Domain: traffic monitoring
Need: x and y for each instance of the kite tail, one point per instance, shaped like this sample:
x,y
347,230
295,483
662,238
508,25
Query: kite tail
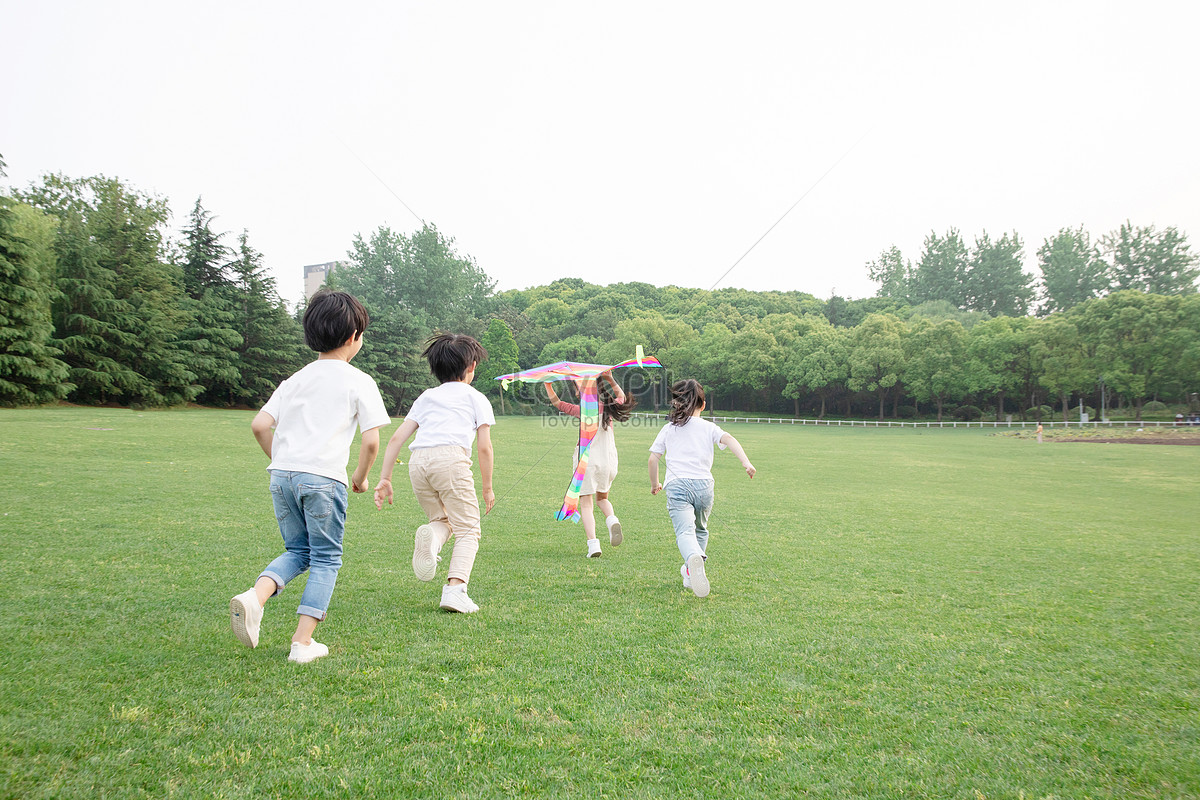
x,y
589,424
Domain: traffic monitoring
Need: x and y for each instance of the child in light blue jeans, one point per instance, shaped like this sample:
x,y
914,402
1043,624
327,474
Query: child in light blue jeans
x,y
687,442
306,429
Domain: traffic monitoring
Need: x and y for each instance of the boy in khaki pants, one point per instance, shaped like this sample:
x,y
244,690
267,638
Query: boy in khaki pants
x,y
445,420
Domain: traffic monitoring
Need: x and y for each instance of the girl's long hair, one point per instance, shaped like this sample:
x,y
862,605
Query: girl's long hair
x,y
686,396
612,410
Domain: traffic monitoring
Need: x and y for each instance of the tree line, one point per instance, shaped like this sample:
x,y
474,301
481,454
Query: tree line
x,y
103,303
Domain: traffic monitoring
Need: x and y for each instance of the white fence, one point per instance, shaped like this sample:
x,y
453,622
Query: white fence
x,y
871,423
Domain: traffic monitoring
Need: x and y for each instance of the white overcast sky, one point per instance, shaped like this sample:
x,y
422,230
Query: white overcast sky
x,y
620,141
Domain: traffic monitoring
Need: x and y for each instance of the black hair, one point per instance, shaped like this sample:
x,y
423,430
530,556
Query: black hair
x,y
331,318
613,411
451,354
686,396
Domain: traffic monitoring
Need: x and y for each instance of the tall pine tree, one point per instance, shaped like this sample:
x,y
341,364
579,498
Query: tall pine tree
x,y
30,372
210,335
272,342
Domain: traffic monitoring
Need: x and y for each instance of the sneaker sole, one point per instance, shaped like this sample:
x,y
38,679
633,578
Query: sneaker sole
x,y
424,560
307,660
596,554
457,610
699,579
237,621
614,535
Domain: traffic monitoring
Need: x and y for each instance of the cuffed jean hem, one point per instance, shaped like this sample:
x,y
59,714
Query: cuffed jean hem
x,y
308,611
311,511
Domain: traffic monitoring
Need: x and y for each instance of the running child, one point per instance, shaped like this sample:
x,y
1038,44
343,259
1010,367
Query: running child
x,y
687,441
314,414
602,460
445,420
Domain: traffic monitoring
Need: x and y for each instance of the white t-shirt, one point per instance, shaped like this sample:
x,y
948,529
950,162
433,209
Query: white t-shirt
x,y
688,448
449,415
316,412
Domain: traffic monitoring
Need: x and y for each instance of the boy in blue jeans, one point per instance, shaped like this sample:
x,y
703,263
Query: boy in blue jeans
x,y
314,414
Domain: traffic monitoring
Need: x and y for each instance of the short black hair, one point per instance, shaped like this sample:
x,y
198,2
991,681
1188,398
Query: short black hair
x,y
331,318
450,354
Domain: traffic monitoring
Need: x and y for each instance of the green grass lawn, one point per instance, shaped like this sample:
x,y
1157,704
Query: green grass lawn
x,y
894,613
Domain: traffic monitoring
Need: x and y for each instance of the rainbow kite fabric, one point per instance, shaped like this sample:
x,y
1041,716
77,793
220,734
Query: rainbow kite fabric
x,y
586,378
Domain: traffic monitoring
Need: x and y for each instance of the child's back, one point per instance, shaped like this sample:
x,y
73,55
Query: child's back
x,y
306,428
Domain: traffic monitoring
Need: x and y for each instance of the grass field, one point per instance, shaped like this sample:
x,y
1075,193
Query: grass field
x,y
904,613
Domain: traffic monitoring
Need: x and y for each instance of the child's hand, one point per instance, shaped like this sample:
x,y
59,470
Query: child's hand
x,y
750,470
656,488
383,491
489,500
359,486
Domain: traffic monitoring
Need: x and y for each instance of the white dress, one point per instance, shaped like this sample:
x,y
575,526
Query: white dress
x,y
602,455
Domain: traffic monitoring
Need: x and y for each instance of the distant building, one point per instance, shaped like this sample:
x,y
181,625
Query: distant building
x,y
314,277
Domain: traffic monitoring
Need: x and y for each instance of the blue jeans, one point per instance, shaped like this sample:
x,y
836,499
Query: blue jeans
x,y
689,502
311,510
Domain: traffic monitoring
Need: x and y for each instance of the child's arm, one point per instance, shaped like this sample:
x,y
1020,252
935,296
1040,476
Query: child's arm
x,y
261,427
367,450
399,438
618,392
655,486
559,403
736,447
483,443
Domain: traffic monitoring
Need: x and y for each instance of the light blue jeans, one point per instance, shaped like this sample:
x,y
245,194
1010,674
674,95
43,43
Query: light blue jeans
x,y
311,510
689,502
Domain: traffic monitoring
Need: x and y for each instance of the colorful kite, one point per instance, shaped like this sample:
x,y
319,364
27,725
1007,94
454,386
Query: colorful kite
x,y
585,377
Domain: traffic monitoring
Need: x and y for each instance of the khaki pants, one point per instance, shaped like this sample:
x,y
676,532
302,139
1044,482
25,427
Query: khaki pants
x,y
444,486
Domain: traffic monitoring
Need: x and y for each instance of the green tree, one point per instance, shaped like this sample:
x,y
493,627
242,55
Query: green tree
x,y
120,310
941,272
893,274
420,274
995,283
501,360
272,341
573,348
1063,357
817,362
205,258
876,357
1152,261
934,353
998,356
1128,336
210,337
30,371
1072,271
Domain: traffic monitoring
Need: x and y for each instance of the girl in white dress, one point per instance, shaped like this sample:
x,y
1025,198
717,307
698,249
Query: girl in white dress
x,y
615,406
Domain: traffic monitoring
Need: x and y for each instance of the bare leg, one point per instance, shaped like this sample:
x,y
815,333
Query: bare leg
x,y
304,629
265,588
602,501
586,510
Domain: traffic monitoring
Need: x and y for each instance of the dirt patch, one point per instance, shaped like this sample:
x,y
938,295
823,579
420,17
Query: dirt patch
x,y
1194,440
1188,435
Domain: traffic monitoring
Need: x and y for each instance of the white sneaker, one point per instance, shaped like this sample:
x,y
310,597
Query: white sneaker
x,y
594,548
614,531
695,569
454,598
425,558
245,617
304,653
687,582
